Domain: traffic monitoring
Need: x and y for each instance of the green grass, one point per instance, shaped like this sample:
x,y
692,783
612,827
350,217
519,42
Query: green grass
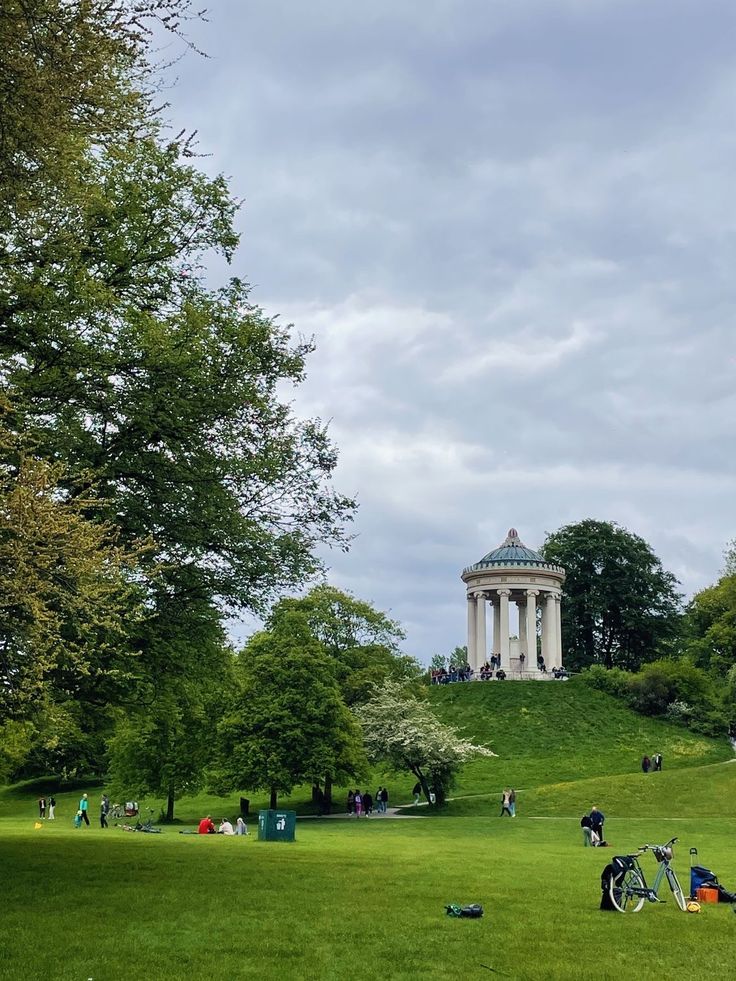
x,y
106,905
368,898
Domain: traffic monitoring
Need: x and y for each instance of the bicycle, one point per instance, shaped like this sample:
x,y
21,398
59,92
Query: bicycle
x,y
629,889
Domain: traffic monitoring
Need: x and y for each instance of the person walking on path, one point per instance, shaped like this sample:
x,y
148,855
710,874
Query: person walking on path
x,y
417,793
42,808
512,802
83,806
351,802
384,800
358,800
103,812
52,808
596,822
506,803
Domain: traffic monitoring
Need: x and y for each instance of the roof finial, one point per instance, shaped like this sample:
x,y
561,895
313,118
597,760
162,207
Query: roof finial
x,y
512,540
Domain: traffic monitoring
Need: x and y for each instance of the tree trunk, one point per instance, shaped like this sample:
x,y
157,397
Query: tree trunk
x,y
272,803
170,804
425,786
327,806
439,793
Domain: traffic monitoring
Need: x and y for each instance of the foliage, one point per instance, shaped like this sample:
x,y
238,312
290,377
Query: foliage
x,y
404,732
613,681
67,591
163,743
287,723
620,608
711,626
361,641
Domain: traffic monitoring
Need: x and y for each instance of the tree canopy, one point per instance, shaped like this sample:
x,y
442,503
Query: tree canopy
x,y
287,722
404,732
620,606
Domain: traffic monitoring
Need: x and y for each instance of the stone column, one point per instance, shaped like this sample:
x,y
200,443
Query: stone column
x,y
549,631
480,628
531,627
496,626
472,645
558,624
504,628
523,645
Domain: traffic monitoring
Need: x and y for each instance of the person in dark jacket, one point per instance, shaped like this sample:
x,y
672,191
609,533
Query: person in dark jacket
x,y
646,764
596,822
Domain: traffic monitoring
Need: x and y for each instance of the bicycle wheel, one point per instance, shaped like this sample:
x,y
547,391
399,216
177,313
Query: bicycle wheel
x,y
676,889
623,896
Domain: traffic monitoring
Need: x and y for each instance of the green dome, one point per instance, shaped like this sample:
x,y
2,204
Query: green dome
x,y
513,552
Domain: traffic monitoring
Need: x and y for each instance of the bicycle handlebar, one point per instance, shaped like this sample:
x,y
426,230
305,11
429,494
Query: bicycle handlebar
x,y
646,848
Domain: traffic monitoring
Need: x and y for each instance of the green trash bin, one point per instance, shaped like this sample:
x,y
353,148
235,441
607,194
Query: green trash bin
x,y
276,825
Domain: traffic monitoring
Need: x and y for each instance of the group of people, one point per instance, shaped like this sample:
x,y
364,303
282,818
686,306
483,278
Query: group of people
x,y
592,825
362,804
489,670
43,805
207,827
508,802
653,763
461,672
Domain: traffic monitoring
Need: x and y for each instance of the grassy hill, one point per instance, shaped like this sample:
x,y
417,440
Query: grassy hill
x,y
562,745
548,733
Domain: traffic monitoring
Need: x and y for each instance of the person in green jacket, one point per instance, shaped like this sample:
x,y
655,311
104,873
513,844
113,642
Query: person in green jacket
x,y
83,805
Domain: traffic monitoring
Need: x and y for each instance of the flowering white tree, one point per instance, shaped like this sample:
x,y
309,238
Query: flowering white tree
x,y
404,732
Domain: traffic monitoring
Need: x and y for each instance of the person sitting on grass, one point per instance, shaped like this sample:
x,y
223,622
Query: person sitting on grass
x,y
501,675
207,826
225,828
241,827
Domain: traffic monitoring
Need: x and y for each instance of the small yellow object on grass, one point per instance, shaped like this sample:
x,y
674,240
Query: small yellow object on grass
x,y
37,825
693,907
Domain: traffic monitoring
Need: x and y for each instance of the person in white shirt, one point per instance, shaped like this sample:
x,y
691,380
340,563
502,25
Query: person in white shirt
x,y
225,828
240,827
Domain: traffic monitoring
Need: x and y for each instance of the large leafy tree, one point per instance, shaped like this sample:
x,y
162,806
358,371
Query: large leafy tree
x,y
163,398
361,642
403,732
620,606
287,723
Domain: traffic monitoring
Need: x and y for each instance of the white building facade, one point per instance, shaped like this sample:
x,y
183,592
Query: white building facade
x,y
508,592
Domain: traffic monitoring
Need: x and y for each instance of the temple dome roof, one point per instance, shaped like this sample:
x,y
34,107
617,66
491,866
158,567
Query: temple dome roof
x,y
513,551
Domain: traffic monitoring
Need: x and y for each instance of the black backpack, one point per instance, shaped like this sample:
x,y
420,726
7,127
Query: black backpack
x,y
472,912
613,871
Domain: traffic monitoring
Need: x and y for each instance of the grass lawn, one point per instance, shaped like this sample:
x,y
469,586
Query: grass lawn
x,y
353,898
105,905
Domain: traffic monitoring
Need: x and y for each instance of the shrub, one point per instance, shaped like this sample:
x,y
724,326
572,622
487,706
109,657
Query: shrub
x,y
613,681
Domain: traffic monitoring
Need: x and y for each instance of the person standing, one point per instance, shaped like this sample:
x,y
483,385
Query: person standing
x,y
512,802
417,793
42,808
646,764
367,804
52,808
358,801
522,659
351,802
657,761
83,807
506,803
103,812
596,822
384,800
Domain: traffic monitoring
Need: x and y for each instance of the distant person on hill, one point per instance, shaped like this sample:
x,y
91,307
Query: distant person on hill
x,y
207,826
657,761
646,764
52,808
522,659
83,805
42,807
103,812
596,822
417,793
512,802
541,666
501,675
506,803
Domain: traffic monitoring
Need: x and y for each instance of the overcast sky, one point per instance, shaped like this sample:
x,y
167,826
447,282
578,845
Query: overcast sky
x,y
510,227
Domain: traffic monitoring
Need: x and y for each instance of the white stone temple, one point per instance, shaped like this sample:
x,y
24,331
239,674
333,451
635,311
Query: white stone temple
x,y
507,587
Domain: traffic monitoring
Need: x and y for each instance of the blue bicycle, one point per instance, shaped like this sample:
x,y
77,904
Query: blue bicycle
x,y
628,886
